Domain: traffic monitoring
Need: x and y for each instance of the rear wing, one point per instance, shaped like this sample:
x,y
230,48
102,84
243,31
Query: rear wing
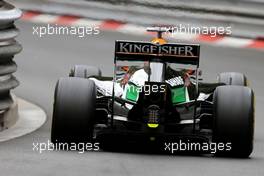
x,y
147,51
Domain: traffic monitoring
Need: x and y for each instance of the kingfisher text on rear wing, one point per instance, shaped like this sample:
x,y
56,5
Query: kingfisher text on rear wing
x,y
171,52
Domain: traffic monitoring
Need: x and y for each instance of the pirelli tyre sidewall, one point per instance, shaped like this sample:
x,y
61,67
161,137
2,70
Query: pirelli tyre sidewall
x,y
234,120
232,78
74,108
85,71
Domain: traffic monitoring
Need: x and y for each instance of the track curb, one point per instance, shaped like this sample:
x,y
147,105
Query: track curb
x,y
119,26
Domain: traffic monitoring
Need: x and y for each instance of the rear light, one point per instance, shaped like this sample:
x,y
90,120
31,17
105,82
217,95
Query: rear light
x,y
153,118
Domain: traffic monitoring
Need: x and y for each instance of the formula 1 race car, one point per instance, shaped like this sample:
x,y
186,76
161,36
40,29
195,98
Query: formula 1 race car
x,y
155,98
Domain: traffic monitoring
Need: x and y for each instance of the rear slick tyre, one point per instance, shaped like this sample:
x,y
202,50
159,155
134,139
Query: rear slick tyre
x,y
73,113
234,120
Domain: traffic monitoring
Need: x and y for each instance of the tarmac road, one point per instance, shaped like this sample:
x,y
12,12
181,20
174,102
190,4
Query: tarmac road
x,y
44,60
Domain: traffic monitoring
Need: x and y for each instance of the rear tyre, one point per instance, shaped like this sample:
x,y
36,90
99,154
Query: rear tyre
x,y
232,78
73,113
234,120
85,71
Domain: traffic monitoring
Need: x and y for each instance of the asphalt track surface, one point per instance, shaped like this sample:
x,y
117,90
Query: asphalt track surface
x,y
44,60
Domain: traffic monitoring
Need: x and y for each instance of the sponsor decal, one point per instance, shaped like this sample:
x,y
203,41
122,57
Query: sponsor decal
x,y
181,50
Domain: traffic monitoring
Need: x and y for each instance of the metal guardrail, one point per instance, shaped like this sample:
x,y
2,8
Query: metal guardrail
x,y
249,8
8,48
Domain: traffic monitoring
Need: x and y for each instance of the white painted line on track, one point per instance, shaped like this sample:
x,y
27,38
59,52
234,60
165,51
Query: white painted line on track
x,y
45,18
235,42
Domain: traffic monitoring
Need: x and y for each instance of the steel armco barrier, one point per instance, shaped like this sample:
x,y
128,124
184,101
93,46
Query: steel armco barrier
x,y
8,48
